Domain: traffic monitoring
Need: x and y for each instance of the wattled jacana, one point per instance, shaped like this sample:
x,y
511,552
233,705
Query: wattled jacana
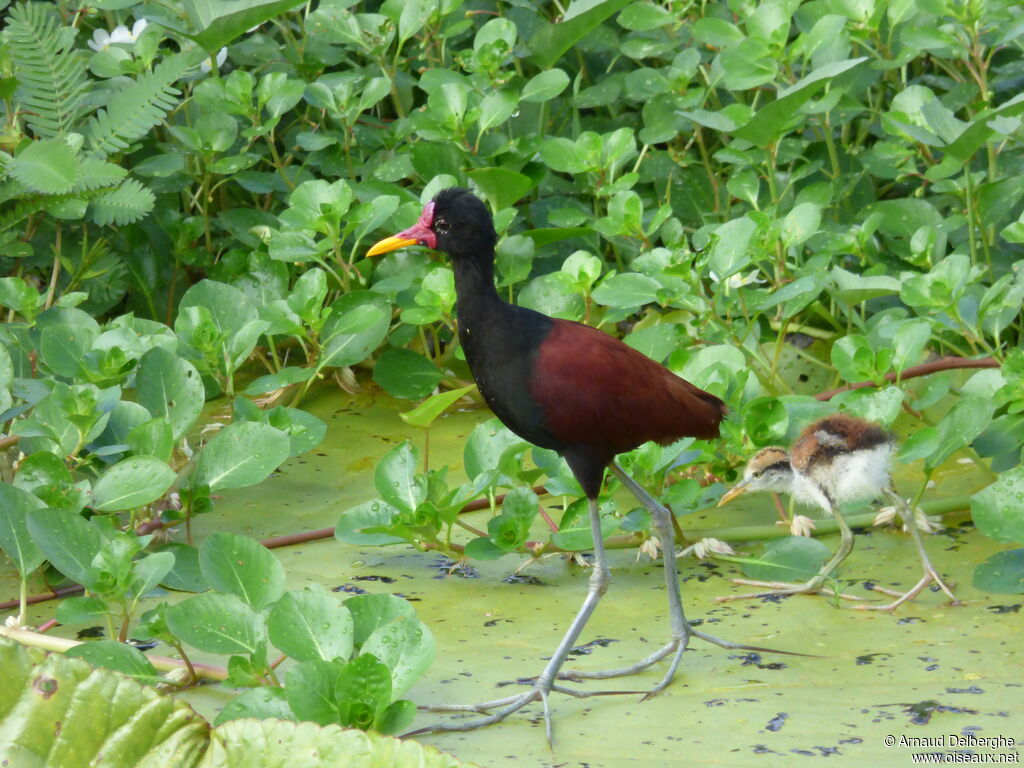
x,y
568,387
837,459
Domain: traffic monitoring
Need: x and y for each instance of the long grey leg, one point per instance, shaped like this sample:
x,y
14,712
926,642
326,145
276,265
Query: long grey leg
x,y
600,578
681,629
816,582
930,574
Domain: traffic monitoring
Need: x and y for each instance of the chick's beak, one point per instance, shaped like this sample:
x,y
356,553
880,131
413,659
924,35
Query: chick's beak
x,y
737,490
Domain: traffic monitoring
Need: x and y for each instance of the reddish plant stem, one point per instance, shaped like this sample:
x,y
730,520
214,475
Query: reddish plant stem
x,y
74,589
272,543
942,364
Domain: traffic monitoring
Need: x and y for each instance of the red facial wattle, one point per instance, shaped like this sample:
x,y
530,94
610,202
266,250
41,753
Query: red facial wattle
x,y
420,233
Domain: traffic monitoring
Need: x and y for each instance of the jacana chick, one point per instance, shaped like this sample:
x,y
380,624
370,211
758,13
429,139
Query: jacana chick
x,y
568,387
836,460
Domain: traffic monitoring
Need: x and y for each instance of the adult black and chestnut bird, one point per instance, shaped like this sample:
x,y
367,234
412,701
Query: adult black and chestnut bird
x,y
835,460
571,388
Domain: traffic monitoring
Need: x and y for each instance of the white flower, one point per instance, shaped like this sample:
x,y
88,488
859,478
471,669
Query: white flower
x,y
706,547
222,56
101,39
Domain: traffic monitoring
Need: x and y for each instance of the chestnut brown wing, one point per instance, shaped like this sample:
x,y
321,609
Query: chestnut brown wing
x,y
596,390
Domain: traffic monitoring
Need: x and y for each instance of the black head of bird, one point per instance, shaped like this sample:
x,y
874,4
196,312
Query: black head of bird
x,y
455,222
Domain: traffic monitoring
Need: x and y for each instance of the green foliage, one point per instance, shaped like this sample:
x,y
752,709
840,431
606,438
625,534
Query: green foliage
x,y
143,728
773,199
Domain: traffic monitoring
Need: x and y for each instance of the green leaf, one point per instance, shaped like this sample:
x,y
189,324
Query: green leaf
x,y
49,701
545,86
363,690
264,703
171,388
403,373
552,40
16,505
311,691
854,358
51,73
370,612
968,419
644,16
370,514
240,455
127,203
185,575
909,342
791,558
1002,573
67,541
397,479
769,124
998,510
284,378
215,23
216,623
120,657
501,186
311,624
576,534
628,290
485,446
152,438
81,610
57,724
731,251
406,646
132,483
397,717
853,289
149,571
242,566
357,325
16,294
132,110
48,166
800,223
229,308
424,414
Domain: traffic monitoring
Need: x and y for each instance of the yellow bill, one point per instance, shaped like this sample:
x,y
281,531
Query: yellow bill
x,y
390,244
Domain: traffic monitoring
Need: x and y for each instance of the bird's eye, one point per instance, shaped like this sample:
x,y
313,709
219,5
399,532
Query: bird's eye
x,y
441,226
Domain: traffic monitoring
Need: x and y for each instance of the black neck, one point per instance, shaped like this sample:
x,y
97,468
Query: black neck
x,y
474,288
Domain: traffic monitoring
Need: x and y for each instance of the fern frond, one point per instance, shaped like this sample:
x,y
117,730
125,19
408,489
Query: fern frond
x,y
133,111
51,74
123,205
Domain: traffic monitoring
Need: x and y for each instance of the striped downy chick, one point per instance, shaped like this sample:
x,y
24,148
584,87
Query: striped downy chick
x,y
835,460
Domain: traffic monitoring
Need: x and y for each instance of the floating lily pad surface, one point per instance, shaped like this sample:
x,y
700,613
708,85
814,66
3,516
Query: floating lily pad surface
x,y
867,679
